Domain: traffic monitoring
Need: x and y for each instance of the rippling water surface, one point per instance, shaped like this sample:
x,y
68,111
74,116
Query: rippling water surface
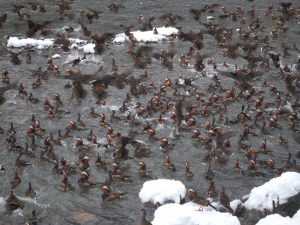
x,y
55,206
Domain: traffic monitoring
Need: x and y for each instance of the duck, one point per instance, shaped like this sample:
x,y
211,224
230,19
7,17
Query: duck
x,y
188,172
212,191
295,167
64,136
53,141
79,121
67,168
102,121
195,198
33,219
16,179
32,99
143,220
237,167
108,196
273,169
47,104
100,163
251,170
84,163
12,201
281,140
30,192
143,172
288,162
65,184
209,174
20,162
263,147
93,114
164,144
168,164
56,99
81,146
114,118
85,181
224,200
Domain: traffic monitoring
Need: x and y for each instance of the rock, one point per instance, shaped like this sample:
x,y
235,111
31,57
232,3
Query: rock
x,y
83,217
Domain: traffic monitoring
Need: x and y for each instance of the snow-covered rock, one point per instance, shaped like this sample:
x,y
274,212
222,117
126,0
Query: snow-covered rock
x,y
148,36
276,219
15,42
175,214
162,190
278,189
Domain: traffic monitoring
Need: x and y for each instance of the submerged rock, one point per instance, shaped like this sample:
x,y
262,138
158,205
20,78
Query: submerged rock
x,y
83,217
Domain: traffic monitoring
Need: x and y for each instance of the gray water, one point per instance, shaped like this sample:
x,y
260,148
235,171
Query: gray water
x,y
55,206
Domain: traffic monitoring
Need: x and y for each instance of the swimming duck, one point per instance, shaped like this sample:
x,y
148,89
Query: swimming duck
x,y
169,164
79,121
251,170
85,181
32,99
47,104
102,121
209,174
84,163
67,168
33,219
64,136
288,162
73,126
13,202
212,191
143,172
65,183
144,221
93,114
188,172
20,162
108,196
16,179
164,144
53,141
237,167
273,169
100,163
263,147
30,192
114,118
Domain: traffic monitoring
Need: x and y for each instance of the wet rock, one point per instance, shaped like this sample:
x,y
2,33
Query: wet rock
x,y
83,217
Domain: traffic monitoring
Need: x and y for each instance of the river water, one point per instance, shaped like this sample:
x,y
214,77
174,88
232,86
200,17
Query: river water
x,y
55,206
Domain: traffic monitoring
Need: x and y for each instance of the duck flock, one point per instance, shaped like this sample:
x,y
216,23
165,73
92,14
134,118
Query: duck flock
x,y
98,99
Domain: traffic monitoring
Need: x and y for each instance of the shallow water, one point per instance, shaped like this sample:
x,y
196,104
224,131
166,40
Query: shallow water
x,y
55,206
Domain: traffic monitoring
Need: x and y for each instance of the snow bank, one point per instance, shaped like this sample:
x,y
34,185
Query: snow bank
x,y
161,190
175,214
276,219
148,36
283,187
